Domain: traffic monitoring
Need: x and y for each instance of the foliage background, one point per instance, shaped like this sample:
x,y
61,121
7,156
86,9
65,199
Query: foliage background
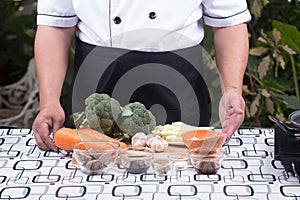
x,y
271,82
17,30
272,78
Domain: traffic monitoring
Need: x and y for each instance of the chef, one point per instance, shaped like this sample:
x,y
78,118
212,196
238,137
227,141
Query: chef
x,y
149,40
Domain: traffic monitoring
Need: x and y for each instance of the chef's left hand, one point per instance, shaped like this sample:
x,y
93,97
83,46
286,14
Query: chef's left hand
x,y
231,112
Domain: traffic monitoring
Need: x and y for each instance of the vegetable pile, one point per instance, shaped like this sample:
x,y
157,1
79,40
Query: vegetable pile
x,y
105,114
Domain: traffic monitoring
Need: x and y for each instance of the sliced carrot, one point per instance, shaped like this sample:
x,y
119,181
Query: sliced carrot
x,y
65,138
205,138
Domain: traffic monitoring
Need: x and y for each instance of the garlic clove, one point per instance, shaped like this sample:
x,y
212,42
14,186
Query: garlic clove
x,y
139,140
157,143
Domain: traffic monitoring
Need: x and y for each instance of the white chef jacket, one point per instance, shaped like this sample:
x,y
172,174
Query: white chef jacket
x,y
156,25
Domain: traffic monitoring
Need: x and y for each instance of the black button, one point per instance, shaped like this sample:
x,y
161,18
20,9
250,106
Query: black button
x,y
152,15
117,20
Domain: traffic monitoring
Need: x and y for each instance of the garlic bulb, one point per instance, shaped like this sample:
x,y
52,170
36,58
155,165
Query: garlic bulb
x,y
157,143
139,140
149,136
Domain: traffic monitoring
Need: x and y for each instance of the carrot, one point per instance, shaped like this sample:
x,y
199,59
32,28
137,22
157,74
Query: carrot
x,y
205,138
95,145
65,138
83,132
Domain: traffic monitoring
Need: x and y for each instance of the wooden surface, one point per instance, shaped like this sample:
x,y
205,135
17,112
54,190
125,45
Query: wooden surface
x,y
172,149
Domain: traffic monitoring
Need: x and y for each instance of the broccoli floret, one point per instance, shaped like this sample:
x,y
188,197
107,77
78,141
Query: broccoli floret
x,y
101,113
136,118
104,114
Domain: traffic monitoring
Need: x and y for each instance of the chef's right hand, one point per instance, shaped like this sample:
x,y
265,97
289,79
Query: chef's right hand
x,y
47,122
231,111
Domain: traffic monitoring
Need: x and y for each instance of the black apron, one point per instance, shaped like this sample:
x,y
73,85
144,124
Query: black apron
x,y
168,83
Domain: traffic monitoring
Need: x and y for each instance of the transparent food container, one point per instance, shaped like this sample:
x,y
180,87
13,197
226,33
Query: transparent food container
x,y
94,157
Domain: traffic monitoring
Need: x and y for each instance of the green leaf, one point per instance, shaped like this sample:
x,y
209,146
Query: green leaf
x,y
291,101
256,9
281,61
272,85
207,43
265,2
263,67
30,33
254,105
276,35
287,49
270,106
258,51
262,40
252,63
265,93
289,34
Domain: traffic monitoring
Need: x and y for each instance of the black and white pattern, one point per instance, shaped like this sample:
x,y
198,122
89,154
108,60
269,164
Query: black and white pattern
x,y
248,171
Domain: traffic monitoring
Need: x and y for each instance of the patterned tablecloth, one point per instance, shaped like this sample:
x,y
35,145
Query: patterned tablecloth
x,y
248,171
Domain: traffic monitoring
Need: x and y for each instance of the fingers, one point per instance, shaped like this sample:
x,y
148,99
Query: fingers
x,y
45,133
39,140
42,132
231,111
231,124
47,122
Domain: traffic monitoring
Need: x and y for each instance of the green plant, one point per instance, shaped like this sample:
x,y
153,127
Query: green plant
x,y
17,30
271,85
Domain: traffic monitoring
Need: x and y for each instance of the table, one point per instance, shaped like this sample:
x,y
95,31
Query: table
x,y
248,171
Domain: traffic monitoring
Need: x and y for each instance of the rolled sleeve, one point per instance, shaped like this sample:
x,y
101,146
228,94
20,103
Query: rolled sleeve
x,y
220,13
59,13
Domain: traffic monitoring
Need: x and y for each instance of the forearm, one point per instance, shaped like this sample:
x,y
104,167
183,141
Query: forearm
x,y
52,47
231,46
